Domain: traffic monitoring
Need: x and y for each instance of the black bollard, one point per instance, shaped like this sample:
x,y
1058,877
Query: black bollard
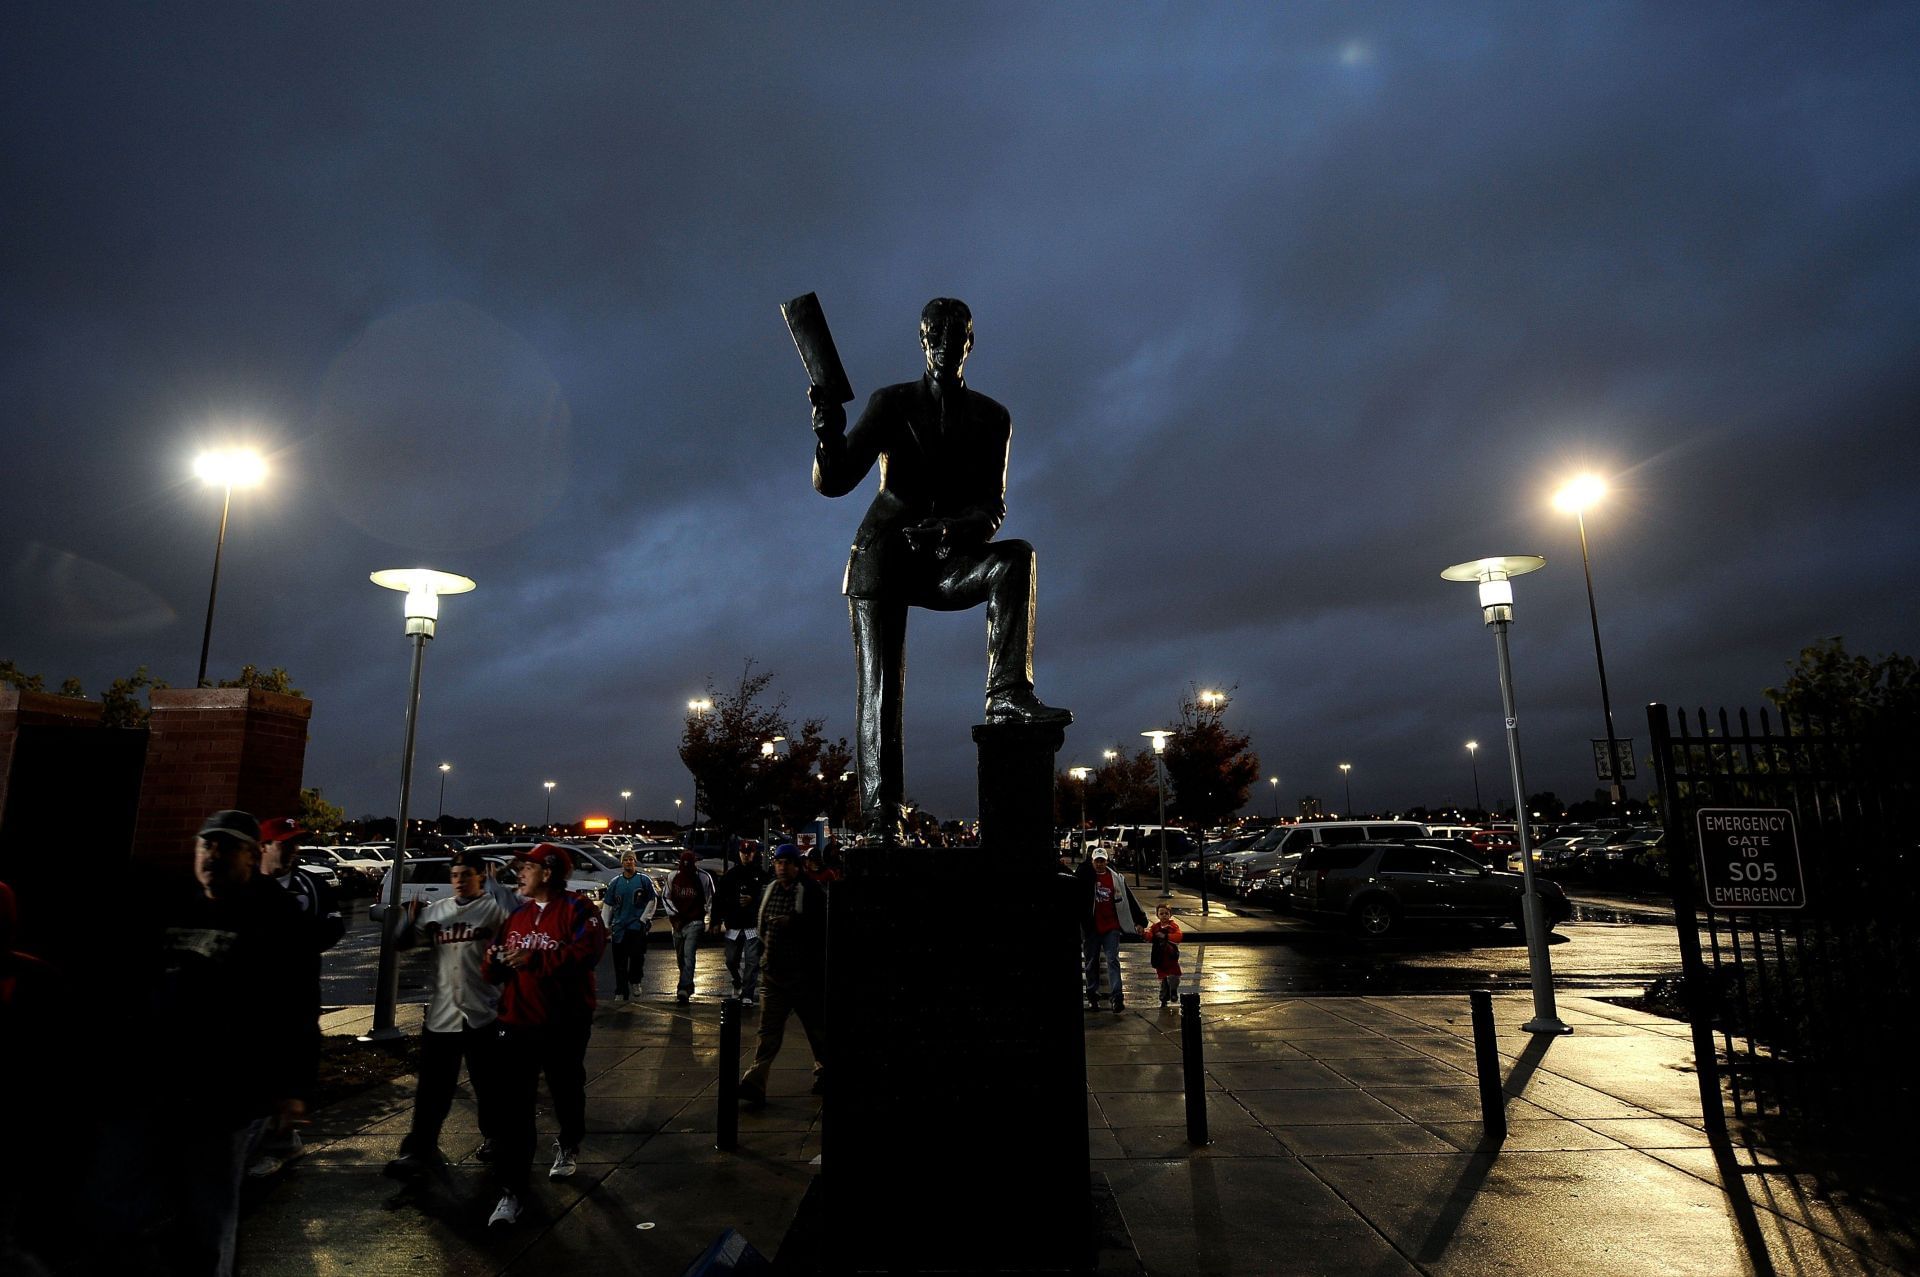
x,y
727,1130
1486,1058
1195,1068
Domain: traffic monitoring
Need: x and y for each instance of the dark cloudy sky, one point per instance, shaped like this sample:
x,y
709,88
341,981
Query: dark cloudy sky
x,y
1293,306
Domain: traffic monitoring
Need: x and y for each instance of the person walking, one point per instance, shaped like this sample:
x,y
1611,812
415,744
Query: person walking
x,y
689,899
274,1146
1163,937
736,914
632,901
545,964
461,1011
793,971
1109,907
222,1045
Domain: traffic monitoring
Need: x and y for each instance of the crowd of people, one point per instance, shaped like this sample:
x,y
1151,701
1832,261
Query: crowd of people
x,y
224,968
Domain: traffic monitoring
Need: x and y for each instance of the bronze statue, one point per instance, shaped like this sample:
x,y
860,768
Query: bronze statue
x,y
927,538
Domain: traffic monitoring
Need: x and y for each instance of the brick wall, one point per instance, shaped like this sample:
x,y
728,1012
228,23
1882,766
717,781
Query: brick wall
x,y
18,708
209,748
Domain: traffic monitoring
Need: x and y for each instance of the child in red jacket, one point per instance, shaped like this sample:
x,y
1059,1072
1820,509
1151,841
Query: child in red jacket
x,y
1163,938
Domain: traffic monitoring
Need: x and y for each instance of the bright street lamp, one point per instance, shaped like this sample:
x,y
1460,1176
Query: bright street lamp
x,y
1574,497
1275,782
441,814
1346,774
624,795
1495,576
1080,774
1473,757
423,588
698,705
1210,699
1159,739
227,469
547,821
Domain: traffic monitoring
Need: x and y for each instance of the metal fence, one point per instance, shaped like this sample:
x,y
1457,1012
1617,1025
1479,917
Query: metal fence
x,y
1798,943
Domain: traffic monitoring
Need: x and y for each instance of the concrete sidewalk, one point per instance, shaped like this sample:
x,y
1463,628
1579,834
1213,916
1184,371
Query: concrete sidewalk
x,y
1345,1139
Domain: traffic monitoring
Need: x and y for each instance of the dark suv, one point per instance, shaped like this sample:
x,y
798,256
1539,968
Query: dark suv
x,y
1379,886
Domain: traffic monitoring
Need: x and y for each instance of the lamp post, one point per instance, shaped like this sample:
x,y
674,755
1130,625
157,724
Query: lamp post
x,y
423,588
625,794
441,814
698,705
1575,496
1473,758
1275,782
1080,774
228,469
546,822
1346,774
1159,738
678,803
1495,576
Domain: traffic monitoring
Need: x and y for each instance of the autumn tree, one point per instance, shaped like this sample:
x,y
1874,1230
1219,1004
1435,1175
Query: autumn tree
x,y
1831,689
739,781
1209,768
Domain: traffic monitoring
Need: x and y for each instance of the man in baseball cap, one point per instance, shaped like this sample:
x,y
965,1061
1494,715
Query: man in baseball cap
x,y
223,1048
321,926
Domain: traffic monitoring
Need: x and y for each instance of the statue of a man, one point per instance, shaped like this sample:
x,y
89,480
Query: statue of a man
x,y
926,542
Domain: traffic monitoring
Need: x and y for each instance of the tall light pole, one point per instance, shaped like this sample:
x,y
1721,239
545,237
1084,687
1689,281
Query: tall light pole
x,y
1575,496
1473,757
1346,774
441,814
1159,738
1080,774
698,705
546,822
1495,576
227,469
678,803
423,588
1275,782
625,794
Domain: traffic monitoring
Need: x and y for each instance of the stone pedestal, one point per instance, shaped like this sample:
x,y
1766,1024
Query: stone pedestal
x,y
955,1127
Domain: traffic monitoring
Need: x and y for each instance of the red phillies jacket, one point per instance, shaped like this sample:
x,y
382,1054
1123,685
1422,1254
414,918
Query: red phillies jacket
x,y
566,939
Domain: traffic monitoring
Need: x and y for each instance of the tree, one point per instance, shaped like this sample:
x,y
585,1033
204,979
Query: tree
x,y
1209,769
274,680
12,675
319,815
1120,791
739,783
1831,689
122,697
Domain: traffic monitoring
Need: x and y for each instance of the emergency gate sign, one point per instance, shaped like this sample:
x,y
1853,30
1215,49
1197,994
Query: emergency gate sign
x,y
1750,858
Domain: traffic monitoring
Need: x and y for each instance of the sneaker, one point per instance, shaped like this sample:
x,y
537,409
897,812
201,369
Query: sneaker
x,y
685,998
485,1152
563,1165
265,1166
507,1212
752,1095
1119,1005
748,1002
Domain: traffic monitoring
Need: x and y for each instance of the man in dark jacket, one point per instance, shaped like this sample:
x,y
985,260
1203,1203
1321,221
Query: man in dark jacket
x,y
736,915
274,1146
793,971
223,1046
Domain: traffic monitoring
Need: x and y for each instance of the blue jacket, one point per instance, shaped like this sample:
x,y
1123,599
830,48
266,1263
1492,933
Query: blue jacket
x,y
631,903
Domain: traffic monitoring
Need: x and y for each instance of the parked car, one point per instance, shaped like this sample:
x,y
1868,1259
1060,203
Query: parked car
x,y
1378,887
1287,842
428,877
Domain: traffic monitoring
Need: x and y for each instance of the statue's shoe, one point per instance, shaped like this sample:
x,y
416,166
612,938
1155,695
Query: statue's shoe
x,y
1025,707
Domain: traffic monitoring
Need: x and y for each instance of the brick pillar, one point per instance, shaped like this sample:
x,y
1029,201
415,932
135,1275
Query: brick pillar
x,y
30,709
215,747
